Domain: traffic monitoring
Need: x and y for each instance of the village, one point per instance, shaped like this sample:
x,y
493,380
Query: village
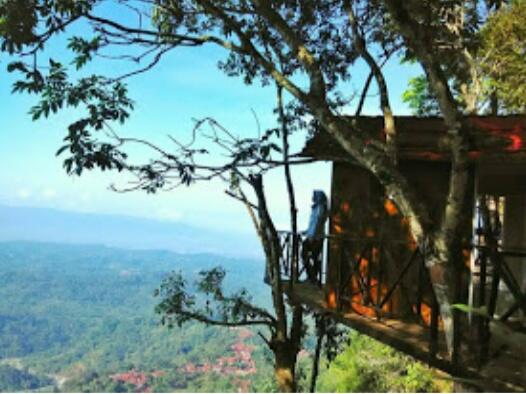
x,y
240,364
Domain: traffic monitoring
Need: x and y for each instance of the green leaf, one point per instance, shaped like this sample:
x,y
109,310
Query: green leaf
x,y
479,311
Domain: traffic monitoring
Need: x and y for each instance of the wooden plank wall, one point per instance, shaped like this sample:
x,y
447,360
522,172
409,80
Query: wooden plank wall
x,y
360,211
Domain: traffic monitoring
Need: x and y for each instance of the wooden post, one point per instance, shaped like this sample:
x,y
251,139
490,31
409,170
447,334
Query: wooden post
x,y
339,275
420,288
323,257
433,327
368,300
379,283
295,239
482,322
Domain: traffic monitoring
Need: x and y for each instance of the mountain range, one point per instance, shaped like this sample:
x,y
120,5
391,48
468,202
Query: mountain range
x,y
51,225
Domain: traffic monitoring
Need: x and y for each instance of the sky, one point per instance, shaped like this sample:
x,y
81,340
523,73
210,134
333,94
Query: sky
x,y
186,85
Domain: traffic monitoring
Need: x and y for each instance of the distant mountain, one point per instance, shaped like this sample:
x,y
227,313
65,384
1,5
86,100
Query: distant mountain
x,y
50,225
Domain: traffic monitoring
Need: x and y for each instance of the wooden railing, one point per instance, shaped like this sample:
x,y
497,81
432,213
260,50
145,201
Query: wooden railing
x,y
493,264
357,285
306,261
366,289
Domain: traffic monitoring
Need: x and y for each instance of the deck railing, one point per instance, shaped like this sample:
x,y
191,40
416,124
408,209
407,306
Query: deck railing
x,y
311,265
360,282
304,260
493,263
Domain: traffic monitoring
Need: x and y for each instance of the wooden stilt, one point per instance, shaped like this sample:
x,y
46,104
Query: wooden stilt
x,y
433,327
339,275
482,322
379,283
367,298
420,289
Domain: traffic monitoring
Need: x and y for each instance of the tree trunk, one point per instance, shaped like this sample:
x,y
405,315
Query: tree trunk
x,y
285,367
317,354
285,347
290,186
270,241
440,275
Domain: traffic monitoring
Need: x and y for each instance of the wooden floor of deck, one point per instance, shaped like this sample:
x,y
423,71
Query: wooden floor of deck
x,y
507,372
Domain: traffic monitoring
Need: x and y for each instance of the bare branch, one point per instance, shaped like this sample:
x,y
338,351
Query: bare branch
x,y
360,45
306,58
148,67
239,198
212,322
247,47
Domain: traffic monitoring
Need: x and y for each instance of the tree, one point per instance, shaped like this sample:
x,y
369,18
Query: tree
x,y
498,64
308,49
503,58
247,161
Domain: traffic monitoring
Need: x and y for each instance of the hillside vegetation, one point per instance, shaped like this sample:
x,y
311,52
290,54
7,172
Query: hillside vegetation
x,y
82,314
81,319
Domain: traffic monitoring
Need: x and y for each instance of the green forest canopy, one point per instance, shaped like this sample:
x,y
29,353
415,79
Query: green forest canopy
x,y
86,312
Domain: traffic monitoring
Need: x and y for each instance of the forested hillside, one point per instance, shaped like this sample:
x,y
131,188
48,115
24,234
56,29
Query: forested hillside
x,y
83,315
81,319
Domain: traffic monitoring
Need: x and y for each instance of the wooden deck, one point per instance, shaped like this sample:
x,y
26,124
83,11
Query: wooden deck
x,y
506,372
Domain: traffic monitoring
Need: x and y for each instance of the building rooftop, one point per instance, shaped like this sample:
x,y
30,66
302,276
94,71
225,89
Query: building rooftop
x,y
493,138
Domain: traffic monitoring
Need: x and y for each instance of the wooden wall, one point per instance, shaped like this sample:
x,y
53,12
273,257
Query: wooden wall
x,y
362,215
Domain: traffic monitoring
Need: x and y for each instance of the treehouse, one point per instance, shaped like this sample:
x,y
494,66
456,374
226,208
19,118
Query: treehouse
x,y
374,278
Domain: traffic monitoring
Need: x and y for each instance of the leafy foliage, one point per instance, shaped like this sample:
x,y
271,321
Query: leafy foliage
x,y
419,97
104,100
178,305
83,49
496,42
84,313
20,20
13,379
503,55
369,366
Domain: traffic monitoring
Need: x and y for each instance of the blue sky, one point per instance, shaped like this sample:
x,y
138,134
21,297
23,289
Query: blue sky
x,y
185,85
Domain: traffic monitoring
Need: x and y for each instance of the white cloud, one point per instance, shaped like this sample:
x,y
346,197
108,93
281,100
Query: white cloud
x,y
49,193
23,193
86,197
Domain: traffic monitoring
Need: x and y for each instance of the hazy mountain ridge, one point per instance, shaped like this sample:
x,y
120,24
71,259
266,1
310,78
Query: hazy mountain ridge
x,y
50,225
81,259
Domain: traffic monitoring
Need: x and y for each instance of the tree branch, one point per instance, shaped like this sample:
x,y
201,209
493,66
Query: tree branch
x,y
385,106
298,48
248,48
212,322
363,96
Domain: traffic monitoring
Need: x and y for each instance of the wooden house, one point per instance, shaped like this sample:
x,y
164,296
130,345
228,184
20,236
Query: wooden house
x,y
374,277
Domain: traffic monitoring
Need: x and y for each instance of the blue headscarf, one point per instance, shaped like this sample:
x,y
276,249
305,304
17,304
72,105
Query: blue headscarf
x,y
318,215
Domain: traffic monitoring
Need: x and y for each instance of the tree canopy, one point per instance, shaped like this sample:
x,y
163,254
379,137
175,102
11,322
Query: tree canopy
x,y
309,50
503,56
